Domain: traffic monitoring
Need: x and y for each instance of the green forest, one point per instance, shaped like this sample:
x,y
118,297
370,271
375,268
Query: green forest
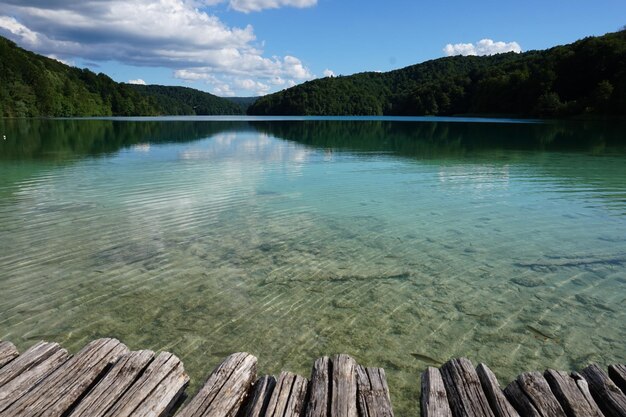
x,y
587,77
33,85
584,79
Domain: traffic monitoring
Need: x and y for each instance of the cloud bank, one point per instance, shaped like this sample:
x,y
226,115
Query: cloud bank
x,y
482,47
247,6
176,34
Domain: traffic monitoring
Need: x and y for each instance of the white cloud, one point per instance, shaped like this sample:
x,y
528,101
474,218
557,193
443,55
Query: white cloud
x,y
223,90
247,6
482,47
328,73
138,81
176,34
257,87
294,68
62,61
194,75
246,84
277,81
10,25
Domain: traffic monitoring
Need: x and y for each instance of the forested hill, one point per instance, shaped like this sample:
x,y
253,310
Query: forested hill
x,y
585,77
243,102
187,101
33,85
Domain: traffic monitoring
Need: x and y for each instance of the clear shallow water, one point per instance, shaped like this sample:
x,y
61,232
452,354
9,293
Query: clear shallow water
x,y
401,243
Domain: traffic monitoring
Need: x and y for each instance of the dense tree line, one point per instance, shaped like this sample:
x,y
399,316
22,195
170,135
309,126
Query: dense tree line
x,y
33,85
243,102
585,77
188,101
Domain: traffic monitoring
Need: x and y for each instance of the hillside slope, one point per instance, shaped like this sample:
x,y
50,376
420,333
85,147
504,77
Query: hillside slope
x,y
187,101
33,85
585,77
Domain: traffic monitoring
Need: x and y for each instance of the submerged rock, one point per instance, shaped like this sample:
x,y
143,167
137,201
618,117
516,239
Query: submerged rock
x,y
528,282
590,300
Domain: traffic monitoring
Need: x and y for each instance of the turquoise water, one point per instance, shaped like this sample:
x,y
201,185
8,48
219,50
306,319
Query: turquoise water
x,y
401,242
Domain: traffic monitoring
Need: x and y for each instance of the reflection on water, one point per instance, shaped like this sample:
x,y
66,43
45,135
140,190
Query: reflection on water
x,y
401,243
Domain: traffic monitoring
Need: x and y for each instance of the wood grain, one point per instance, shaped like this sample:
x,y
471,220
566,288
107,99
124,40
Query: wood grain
x,y
16,386
617,373
259,399
225,389
157,389
538,390
288,397
465,393
319,391
583,386
27,361
607,395
57,392
569,395
8,352
343,392
520,400
433,399
113,386
373,393
500,406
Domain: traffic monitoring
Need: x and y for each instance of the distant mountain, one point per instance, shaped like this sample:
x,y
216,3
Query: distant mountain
x,y
585,77
243,102
33,85
187,101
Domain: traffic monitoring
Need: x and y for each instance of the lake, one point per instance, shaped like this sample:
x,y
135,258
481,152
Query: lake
x,y
402,242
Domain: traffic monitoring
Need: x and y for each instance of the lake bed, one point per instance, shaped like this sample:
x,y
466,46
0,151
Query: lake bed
x,y
401,242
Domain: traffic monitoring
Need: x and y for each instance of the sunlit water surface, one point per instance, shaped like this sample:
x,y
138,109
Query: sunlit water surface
x,y
400,243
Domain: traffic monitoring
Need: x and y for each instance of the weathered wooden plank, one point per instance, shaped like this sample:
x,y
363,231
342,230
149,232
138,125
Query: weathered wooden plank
x,y
618,374
225,389
165,395
116,382
280,395
20,384
608,396
583,386
572,400
156,390
537,389
520,400
500,406
434,400
28,360
259,399
319,396
288,397
465,394
58,392
297,399
373,392
343,392
8,352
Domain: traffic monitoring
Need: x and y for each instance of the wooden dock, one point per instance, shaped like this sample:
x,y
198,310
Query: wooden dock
x,y
457,389
106,379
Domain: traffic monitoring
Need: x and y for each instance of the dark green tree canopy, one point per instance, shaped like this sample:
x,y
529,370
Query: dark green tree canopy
x,y
33,85
587,77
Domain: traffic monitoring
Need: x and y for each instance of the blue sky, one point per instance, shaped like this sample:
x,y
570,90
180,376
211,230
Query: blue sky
x,y
251,47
